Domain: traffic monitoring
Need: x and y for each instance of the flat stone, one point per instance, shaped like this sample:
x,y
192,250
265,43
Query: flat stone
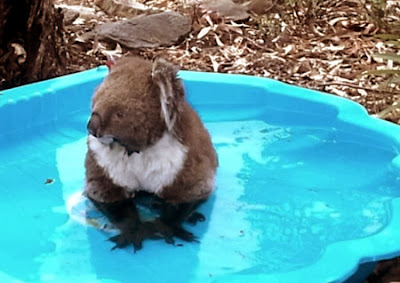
x,y
69,16
260,7
162,29
72,12
227,9
124,8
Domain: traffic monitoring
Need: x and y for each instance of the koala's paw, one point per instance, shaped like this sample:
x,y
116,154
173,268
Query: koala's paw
x,y
169,231
135,237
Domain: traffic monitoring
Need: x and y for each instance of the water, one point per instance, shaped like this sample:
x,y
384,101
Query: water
x,y
283,194
289,192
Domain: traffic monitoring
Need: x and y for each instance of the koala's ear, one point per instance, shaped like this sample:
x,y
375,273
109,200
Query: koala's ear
x,y
110,61
164,75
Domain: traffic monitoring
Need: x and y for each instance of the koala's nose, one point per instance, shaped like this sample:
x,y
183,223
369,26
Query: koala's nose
x,y
94,125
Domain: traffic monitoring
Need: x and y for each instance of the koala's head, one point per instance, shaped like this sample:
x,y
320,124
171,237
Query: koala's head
x,y
137,103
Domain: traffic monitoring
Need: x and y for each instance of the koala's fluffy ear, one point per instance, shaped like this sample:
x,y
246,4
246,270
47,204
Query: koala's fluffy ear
x,y
164,75
110,61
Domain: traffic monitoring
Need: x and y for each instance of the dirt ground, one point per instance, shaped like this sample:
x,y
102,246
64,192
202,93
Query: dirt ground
x,y
325,45
330,46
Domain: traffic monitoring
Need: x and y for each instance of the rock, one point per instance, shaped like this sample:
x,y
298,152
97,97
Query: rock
x,y
72,12
69,16
124,8
227,9
260,7
162,29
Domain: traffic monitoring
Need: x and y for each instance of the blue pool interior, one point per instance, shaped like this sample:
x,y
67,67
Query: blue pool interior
x,y
307,187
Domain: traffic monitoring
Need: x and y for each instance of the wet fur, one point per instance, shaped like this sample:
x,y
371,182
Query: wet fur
x,y
146,137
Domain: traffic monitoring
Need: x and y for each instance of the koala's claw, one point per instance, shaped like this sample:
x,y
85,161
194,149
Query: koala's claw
x,y
169,231
196,217
122,240
134,237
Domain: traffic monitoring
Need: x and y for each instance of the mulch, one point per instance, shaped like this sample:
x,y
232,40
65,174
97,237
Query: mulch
x,y
329,46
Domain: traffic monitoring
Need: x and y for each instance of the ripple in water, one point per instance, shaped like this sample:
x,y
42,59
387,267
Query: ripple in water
x,y
290,192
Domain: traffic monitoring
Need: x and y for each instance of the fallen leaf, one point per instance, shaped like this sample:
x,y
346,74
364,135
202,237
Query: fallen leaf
x,y
117,52
219,42
79,21
203,32
336,20
339,92
49,181
215,64
19,50
287,49
208,19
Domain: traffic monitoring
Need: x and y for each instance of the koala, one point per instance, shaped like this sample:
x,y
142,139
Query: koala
x,y
146,140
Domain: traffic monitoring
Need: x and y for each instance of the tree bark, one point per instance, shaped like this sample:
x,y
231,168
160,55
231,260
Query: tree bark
x,y
31,42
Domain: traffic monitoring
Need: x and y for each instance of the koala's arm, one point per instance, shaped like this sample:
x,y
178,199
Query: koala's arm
x,y
195,182
98,186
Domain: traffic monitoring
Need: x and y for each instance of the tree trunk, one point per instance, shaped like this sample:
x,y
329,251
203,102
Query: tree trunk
x,y
31,42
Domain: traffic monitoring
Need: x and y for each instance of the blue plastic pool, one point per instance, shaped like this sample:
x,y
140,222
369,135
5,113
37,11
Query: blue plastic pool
x,y
307,188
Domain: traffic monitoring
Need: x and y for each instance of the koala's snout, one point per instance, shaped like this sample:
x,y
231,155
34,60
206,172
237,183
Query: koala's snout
x,y
94,125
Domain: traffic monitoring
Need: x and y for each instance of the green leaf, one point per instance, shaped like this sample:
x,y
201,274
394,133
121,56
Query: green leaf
x,y
393,57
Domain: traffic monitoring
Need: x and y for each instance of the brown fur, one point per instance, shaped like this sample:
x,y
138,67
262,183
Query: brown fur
x,y
191,183
129,108
128,103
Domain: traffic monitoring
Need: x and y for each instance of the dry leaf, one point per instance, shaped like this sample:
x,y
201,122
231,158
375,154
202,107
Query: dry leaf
x,y
215,64
117,52
203,32
48,181
219,42
339,92
336,20
20,52
235,29
287,49
208,19
79,21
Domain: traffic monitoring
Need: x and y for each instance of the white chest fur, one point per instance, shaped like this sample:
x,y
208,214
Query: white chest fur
x,y
151,170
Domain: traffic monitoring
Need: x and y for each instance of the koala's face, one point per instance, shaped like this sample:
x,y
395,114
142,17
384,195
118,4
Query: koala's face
x,y
126,108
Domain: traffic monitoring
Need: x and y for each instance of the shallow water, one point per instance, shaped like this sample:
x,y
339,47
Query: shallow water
x,y
289,192
283,194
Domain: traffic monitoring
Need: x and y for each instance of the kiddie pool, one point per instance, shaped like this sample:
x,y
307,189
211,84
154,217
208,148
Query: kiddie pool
x,y
307,188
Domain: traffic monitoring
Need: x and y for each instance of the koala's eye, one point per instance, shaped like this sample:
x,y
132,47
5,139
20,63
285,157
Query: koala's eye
x,y
119,114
